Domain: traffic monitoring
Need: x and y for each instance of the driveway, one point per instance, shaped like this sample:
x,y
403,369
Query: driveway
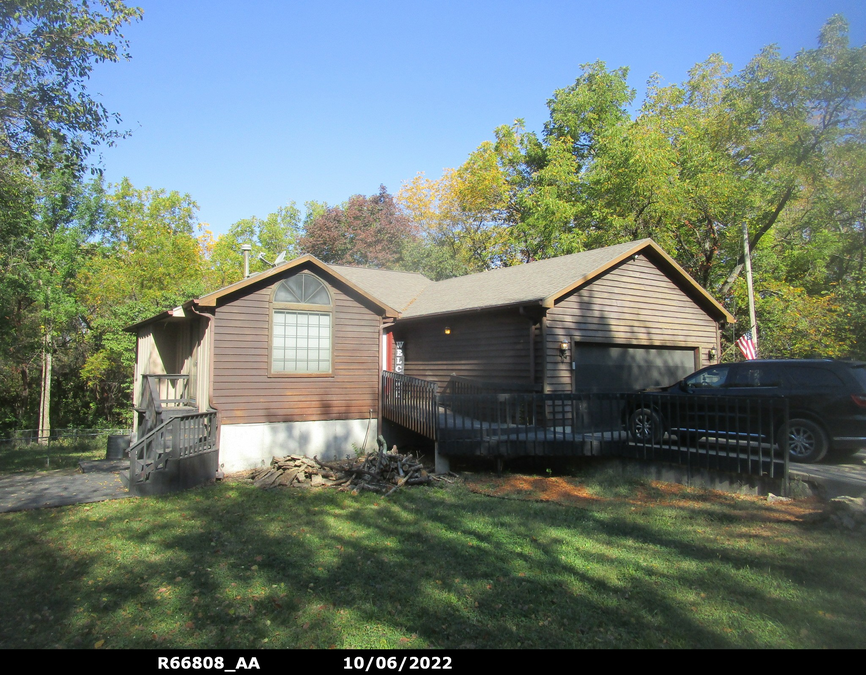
x,y
99,481
834,480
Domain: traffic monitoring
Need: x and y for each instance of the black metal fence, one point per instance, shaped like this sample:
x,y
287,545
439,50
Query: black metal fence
x,y
477,399
739,434
746,435
742,435
518,425
410,402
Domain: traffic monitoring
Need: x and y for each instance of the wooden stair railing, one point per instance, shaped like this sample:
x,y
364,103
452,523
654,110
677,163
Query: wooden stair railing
x,y
175,439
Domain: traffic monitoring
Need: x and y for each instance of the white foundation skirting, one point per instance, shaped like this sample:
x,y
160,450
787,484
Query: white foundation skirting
x,y
250,446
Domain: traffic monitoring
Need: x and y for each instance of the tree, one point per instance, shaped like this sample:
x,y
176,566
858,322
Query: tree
x,y
270,236
47,51
789,115
365,231
778,146
49,124
38,299
147,257
461,217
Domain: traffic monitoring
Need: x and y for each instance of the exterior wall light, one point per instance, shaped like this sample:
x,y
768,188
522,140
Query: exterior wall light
x,y
447,330
563,350
712,353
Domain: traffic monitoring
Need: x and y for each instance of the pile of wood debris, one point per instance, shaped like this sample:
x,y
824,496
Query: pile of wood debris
x,y
382,472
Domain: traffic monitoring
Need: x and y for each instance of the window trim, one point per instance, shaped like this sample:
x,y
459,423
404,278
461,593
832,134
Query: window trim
x,y
274,306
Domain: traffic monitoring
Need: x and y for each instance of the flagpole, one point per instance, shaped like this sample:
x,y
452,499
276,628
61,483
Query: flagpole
x,y
748,259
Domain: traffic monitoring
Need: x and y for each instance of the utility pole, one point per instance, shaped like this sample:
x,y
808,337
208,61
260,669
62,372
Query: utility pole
x,y
748,261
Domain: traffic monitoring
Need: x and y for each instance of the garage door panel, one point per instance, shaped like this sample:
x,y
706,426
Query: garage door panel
x,y
612,368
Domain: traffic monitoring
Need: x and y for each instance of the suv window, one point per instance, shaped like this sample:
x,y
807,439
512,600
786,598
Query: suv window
x,y
859,372
710,378
813,377
757,375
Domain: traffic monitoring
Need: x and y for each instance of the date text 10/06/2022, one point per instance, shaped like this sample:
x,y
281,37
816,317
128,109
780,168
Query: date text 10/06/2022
x,y
381,663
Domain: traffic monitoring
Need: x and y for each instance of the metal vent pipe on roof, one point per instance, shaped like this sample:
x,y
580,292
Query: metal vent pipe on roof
x,y
246,248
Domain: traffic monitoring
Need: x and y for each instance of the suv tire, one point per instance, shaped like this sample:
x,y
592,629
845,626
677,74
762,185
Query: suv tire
x,y
645,426
807,441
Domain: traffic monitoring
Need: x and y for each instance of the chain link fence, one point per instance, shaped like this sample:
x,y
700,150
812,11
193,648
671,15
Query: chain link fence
x,y
29,450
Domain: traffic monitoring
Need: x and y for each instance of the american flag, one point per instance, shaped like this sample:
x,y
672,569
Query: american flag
x,y
747,346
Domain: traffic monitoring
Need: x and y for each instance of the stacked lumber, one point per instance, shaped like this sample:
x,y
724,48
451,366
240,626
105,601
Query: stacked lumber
x,y
382,472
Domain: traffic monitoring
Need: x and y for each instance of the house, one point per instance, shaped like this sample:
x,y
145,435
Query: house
x,y
291,359
618,318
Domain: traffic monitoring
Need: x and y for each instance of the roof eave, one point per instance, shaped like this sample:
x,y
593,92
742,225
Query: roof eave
x,y
162,316
472,310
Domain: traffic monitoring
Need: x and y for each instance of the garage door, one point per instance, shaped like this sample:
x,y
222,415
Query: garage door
x,y
613,368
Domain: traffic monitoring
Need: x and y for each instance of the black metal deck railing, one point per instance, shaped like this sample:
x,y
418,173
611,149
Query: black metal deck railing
x,y
745,435
410,402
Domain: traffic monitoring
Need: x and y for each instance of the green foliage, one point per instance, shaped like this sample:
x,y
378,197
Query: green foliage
x,y
49,124
460,218
146,257
64,452
41,260
147,250
47,50
779,146
276,233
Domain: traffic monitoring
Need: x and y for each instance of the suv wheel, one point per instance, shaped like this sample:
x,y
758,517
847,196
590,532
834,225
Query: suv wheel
x,y
807,441
645,426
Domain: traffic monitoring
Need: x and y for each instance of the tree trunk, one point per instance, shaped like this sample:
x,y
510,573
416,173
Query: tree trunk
x,y
45,396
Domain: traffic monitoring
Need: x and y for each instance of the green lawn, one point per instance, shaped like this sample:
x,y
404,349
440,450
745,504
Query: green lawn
x,y
229,565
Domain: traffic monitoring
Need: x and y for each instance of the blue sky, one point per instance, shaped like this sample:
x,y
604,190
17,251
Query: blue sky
x,y
249,106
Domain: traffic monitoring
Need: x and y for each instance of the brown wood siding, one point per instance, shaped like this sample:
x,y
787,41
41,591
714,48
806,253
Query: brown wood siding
x,y
538,354
491,346
633,304
243,391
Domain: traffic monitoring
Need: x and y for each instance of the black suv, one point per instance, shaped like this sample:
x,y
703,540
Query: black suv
x,y
826,406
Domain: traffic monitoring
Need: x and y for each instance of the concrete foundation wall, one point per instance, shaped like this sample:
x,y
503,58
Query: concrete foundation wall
x,y
250,446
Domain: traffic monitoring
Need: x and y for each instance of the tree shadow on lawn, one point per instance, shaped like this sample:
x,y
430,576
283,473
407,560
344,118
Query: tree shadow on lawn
x,y
233,566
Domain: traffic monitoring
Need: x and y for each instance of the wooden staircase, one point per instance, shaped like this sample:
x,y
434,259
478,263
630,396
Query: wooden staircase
x,y
177,445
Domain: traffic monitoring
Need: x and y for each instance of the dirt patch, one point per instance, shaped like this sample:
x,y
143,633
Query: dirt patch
x,y
533,488
571,491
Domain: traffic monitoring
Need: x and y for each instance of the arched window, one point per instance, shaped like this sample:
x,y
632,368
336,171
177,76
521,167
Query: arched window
x,y
301,326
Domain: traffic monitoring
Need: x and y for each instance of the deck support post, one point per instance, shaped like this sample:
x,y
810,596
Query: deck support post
x,y
442,463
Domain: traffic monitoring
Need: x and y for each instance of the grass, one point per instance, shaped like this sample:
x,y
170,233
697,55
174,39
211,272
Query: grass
x,y
512,562
64,453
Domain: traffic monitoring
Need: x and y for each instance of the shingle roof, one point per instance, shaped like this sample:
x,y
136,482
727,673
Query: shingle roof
x,y
530,283
211,299
540,282
397,289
